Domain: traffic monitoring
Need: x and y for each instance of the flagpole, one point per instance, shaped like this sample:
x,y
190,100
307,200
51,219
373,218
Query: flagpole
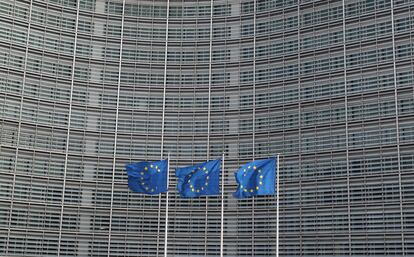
x,y
222,207
166,208
277,205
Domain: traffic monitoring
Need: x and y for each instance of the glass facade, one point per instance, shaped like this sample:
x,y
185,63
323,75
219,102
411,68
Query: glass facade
x,y
87,86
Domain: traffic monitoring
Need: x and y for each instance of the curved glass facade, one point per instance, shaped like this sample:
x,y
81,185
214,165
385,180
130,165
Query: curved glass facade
x,y
87,86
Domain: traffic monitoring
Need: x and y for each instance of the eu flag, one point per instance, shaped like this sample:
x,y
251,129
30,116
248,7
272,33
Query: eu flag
x,y
148,177
200,179
256,178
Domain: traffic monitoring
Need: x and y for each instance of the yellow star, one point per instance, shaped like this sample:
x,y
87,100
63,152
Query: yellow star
x,y
260,171
156,167
152,166
261,176
248,167
188,181
198,191
254,167
251,190
192,189
208,177
191,186
146,168
142,173
244,190
159,170
206,184
257,188
244,170
152,190
261,183
204,168
206,171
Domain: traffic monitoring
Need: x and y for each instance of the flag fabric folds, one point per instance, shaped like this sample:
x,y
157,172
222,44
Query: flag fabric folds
x,y
256,178
148,177
200,179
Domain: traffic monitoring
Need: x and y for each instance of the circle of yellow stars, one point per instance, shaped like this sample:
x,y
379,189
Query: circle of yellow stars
x,y
144,181
259,175
192,184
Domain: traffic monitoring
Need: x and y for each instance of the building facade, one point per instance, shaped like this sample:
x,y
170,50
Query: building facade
x,y
87,86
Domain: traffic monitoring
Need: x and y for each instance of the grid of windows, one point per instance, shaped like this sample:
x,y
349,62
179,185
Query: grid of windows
x,y
87,86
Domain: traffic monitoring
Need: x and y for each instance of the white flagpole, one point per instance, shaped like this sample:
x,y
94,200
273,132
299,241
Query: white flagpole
x,y
277,206
222,207
166,209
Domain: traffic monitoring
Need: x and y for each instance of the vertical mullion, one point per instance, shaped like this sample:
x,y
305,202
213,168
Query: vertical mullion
x,y
209,80
116,127
254,114
254,81
209,116
299,125
346,130
65,167
165,81
397,128
19,124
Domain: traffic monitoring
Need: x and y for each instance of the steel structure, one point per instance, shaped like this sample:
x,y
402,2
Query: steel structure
x,y
87,86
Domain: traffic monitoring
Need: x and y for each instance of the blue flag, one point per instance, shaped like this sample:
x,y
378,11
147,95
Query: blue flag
x,y
148,177
200,179
256,178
